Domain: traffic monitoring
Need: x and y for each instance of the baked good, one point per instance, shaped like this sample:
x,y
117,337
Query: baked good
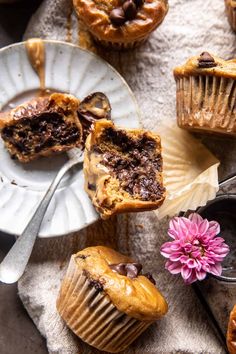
x,y
41,126
92,108
230,7
206,93
106,300
231,333
123,169
121,24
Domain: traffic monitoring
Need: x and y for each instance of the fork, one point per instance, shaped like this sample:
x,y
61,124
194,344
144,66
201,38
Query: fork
x,y
14,263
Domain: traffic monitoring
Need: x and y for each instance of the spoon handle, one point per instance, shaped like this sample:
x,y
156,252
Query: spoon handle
x,y
14,263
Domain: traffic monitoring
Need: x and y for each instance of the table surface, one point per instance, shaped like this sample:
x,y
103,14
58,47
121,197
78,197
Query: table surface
x,y
18,333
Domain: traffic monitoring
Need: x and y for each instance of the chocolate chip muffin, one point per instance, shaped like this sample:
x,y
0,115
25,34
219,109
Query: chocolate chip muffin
x,y
230,7
123,169
206,94
231,333
121,24
41,127
106,300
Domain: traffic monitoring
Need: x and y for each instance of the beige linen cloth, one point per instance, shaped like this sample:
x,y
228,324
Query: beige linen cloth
x,y
190,27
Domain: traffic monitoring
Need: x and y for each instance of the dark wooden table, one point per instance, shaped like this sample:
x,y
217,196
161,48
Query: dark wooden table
x,y
18,334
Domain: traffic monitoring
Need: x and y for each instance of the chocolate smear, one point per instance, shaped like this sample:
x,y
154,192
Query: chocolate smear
x,y
94,107
206,61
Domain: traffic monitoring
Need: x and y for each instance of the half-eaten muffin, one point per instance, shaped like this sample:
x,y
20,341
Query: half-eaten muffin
x,y
123,169
42,126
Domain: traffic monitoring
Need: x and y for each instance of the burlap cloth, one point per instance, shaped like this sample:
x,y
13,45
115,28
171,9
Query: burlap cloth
x,y
190,27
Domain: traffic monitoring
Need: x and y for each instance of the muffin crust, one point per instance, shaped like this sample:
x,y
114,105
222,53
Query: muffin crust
x,y
95,15
137,297
231,333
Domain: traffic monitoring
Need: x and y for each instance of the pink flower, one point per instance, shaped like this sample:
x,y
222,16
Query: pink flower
x,y
195,250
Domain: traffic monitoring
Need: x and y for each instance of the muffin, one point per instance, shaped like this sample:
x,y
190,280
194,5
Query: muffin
x,y
41,127
231,333
123,169
230,7
205,96
106,300
93,107
121,24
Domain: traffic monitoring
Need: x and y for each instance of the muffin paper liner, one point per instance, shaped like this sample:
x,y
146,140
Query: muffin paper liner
x,y
231,13
120,45
190,172
91,315
207,103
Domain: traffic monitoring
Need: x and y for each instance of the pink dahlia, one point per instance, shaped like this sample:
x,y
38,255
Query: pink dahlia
x,y
195,250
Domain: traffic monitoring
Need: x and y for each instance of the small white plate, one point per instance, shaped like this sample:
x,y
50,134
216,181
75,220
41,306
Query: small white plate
x,y
22,186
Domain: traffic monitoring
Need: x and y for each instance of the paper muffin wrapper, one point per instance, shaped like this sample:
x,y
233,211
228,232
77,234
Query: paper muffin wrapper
x,y
90,314
231,13
120,45
207,103
190,172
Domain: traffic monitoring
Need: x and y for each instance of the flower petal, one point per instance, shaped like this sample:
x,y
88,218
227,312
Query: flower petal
x,y
173,267
203,227
216,269
186,272
214,228
196,218
201,274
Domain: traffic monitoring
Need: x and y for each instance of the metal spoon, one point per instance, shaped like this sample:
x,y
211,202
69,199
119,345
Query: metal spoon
x,y
14,263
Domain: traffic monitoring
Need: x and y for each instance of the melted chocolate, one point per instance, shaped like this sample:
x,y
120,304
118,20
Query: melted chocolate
x,y
131,270
136,170
32,135
94,107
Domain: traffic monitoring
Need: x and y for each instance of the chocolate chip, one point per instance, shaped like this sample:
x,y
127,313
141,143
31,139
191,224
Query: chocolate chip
x,y
96,284
119,268
91,186
139,3
130,9
206,61
131,270
117,17
82,256
150,277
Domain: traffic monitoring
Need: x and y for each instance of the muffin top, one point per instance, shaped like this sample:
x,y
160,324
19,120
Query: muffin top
x,y
231,333
121,20
231,3
207,64
121,279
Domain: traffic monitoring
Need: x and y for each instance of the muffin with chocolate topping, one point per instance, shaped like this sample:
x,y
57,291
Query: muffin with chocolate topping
x,y
205,94
123,169
230,7
42,126
106,300
231,333
121,24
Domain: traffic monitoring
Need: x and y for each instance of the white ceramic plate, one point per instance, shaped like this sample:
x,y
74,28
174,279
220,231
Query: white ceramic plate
x,y
68,69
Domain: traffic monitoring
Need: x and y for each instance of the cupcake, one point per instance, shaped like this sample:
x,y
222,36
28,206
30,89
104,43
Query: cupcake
x,y
231,333
230,7
121,24
123,169
205,97
106,300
